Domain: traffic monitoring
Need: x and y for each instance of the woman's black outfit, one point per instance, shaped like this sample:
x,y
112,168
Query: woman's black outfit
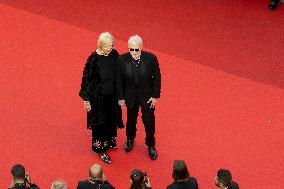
x,y
98,87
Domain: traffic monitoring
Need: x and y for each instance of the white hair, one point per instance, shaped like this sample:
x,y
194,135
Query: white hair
x,y
135,39
103,38
59,184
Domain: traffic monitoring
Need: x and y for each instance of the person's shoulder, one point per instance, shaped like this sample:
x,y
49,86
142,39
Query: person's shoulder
x,y
234,185
92,57
192,179
171,186
107,185
82,183
34,187
124,56
115,52
149,54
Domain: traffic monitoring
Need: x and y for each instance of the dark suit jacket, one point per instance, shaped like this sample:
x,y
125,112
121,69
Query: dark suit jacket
x,y
149,83
191,183
233,185
24,186
85,184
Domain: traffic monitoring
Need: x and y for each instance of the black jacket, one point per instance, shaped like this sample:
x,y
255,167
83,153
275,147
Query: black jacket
x,y
191,183
24,186
149,84
86,184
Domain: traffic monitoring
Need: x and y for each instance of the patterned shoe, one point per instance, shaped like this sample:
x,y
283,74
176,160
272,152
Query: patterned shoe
x,y
105,157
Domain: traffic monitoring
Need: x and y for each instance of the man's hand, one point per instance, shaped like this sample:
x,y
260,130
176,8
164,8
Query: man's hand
x,y
153,102
121,103
87,106
147,182
28,179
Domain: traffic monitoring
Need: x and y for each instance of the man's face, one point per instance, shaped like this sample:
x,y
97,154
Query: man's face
x,y
135,50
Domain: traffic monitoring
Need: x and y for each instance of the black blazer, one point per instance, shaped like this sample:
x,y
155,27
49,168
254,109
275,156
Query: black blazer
x,y
85,184
233,185
149,83
191,183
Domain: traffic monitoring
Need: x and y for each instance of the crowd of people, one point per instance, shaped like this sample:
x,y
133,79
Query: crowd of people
x,y
138,179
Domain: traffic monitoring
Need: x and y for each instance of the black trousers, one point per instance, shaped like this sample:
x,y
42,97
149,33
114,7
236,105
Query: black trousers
x,y
148,119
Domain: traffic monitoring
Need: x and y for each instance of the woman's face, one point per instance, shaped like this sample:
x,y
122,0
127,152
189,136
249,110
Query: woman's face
x,y
107,47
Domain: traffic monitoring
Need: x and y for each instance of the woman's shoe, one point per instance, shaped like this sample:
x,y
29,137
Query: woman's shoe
x,y
105,157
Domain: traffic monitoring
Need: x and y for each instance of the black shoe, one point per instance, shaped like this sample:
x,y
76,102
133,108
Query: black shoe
x,y
105,157
273,5
152,152
128,145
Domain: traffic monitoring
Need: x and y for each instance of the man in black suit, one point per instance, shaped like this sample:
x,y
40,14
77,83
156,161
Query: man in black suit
x,y
21,180
139,85
223,180
97,179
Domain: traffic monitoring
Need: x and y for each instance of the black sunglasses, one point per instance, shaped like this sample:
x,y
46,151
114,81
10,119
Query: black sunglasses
x,y
136,50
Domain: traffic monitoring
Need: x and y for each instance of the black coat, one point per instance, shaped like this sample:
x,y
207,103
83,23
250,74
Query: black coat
x,y
233,185
94,185
24,186
191,183
149,79
91,90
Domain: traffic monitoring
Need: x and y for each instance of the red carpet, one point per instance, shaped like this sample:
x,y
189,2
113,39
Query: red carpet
x,y
240,37
207,117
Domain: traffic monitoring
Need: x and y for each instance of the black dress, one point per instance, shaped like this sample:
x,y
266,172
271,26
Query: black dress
x,y
98,87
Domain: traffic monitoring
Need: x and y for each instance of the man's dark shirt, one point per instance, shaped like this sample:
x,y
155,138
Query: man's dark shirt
x,y
86,184
191,183
24,186
233,185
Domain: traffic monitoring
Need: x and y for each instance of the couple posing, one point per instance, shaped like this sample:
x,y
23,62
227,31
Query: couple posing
x,y
110,82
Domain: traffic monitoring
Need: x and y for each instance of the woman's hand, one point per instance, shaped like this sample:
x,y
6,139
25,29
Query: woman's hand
x,y
87,106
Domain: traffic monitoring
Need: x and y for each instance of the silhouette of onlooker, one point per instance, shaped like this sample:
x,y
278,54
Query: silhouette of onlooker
x,y
182,179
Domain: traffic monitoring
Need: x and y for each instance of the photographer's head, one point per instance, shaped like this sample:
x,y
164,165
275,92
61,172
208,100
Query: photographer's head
x,y
137,179
180,171
59,184
223,178
18,172
96,172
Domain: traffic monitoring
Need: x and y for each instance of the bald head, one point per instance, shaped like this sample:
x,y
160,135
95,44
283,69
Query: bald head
x,y
96,171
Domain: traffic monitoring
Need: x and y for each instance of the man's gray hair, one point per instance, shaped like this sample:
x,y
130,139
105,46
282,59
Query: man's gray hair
x,y
59,184
135,39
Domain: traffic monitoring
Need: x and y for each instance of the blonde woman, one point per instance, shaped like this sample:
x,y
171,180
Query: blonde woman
x,y
98,93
